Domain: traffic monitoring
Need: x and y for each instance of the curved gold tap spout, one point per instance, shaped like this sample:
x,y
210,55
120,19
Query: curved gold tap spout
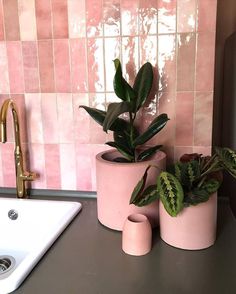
x,y
21,175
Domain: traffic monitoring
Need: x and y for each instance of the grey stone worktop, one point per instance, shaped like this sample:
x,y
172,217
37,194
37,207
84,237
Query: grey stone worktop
x,y
87,259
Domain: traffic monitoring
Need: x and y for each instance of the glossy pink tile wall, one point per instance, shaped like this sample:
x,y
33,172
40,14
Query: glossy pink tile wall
x,y
57,54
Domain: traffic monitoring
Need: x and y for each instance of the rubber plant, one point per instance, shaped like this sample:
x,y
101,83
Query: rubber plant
x,y
190,181
126,137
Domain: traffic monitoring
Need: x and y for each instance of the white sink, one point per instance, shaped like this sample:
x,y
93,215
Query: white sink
x,y
27,229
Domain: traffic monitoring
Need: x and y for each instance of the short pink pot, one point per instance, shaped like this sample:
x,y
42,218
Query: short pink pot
x,y
115,184
193,228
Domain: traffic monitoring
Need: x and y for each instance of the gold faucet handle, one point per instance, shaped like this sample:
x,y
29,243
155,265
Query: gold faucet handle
x,y
30,176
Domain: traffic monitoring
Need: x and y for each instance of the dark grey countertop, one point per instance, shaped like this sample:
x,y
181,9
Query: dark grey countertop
x,y
88,259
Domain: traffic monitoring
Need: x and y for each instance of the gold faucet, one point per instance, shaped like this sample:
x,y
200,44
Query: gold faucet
x,y
21,175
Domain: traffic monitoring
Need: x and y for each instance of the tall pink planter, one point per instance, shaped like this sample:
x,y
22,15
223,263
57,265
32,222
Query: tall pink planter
x,y
115,183
193,228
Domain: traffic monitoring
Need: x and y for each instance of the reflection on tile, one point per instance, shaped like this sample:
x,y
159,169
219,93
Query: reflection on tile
x,y
186,11
111,17
130,60
2,33
68,163
9,177
129,17
30,63
76,18
60,18
52,166
112,51
186,62
147,17
148,49
205,61
27,15
43,19
37,164
203,108
95,65
94,16
166,16
167,62
184,119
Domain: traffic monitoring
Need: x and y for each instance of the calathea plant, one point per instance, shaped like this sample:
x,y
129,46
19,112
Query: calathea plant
x,y
127,139
190,181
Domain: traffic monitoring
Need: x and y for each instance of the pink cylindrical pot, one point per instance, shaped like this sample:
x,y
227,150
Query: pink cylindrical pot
x,y
115,184
193,228
137,235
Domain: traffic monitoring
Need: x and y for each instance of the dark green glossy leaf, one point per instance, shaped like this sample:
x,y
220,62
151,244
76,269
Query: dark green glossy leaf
x,y
113,111
149,195
99,116
171,193
148,153
123,150
211,186
122,89
227,158
143,84
196,196
139,188
157,124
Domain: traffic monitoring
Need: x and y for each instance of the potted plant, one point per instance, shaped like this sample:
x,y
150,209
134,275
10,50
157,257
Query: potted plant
x,y
118,170
187,190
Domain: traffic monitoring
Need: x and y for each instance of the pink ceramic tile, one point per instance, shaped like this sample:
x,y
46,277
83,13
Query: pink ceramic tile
x,y
37,165
179,151
167,62
166,16
203,119
184,119
34,118
30,63
1,169
4,80
148,49
52,166
9,178
79,75
76,17
2,32
94,18
62,66
111,17
11,20
19,100
95,65
97,136
50,118
206,10
81,118
65,118
129,17
130,58
68,166
166,104
15,67
46,70
26,11
60,19
112,51
205,66
83,167
203,150
186,62
43,19
147,17
186,11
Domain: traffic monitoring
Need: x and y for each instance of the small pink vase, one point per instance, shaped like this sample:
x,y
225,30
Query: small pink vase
x,y
115,184
137,235
193,228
